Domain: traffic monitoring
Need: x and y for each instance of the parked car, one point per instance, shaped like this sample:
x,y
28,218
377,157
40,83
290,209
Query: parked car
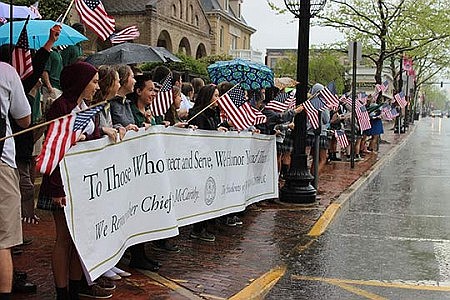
x,y
437,113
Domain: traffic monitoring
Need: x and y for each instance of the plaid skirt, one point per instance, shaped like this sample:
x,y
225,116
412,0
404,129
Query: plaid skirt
x,y
324,141
46,203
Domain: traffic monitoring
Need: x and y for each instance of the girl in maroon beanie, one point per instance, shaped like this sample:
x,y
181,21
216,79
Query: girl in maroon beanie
x,y
79,82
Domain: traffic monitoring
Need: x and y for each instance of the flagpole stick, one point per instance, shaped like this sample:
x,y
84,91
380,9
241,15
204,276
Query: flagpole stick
x,y
48,122
67,12
197,114
209,105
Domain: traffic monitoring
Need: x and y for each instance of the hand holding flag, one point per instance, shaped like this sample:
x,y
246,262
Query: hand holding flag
x,y
61,135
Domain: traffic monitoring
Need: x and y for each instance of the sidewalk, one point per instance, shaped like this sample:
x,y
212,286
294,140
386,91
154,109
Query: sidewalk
x,y
219,270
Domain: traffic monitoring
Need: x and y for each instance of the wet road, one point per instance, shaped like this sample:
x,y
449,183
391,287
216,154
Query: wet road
x,y
392,239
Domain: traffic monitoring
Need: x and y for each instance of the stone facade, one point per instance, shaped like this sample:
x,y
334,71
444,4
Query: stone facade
x,y
195,27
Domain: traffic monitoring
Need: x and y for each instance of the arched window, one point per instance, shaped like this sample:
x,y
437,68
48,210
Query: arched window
x,y
174,10
221,37
191,14
196,21
181,9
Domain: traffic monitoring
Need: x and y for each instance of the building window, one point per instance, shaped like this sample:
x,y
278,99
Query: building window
x,y
244,46
191,14
234,41
181,10
174,10
221,37
196,21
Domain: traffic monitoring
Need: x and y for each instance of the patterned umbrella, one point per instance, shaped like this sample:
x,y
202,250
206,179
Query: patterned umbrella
x,y
250,75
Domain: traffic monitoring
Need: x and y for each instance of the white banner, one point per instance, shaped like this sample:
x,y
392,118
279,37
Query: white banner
x,y
154,181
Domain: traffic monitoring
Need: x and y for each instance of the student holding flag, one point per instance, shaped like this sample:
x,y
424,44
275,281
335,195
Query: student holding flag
x,y
79,82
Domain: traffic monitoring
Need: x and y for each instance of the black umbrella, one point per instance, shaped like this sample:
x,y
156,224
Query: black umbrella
x,y
131,53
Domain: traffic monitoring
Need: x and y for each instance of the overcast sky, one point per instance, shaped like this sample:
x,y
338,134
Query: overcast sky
x,y
279,31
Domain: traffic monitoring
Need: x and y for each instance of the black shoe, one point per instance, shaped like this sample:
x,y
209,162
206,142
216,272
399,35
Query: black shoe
x,y
164,245
16,250
27,241
20,275
144,264
23,286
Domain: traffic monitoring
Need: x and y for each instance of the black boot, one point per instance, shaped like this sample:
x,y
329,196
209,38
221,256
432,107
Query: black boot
x,y
62,294
139,260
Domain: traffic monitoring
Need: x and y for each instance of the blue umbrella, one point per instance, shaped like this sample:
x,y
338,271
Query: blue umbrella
x,y
250,75
38,33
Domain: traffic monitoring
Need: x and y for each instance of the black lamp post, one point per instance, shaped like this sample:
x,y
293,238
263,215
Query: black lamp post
x,y
298,188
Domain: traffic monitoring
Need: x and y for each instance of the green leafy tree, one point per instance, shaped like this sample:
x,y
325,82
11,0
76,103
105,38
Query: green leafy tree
x,y
49,9
387,29
192,66
324,67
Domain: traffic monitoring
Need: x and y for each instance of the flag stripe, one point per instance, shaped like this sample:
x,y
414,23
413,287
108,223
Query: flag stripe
x,y
164,98
129,33
96,19
61,135
239,111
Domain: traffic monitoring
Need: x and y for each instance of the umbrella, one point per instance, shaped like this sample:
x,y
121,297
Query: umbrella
x,y
38,32
285,82
250,75
131,53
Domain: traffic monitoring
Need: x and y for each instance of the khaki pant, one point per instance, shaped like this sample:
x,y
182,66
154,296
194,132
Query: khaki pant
x,y
10,218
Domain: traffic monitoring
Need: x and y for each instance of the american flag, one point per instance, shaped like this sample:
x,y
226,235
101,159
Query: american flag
x,y
94,15
312,108
282,102
345,100
127,34
363,117
407,63
380,88
400,98
331,99
21,56
238,110
394,112
389,113
362,98
61,135
386,112
164,98
341,138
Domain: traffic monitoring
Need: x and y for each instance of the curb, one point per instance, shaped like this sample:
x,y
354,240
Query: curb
x,y
321,225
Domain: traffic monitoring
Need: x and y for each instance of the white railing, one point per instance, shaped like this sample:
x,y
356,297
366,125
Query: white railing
x,y
252,55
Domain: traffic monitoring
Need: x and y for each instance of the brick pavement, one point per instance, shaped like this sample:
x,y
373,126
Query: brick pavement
x,y
211,270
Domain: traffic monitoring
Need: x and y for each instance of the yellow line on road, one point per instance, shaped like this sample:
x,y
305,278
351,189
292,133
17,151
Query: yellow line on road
x,y
259,288
376,283
359,292
321,225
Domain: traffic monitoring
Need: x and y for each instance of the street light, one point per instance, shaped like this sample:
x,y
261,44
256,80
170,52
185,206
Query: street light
x,y
298,188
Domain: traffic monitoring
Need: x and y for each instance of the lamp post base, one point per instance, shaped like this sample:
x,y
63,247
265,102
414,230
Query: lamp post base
x,y
298,188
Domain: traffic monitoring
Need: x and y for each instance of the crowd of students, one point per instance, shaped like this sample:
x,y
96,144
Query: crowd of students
x,y
73,86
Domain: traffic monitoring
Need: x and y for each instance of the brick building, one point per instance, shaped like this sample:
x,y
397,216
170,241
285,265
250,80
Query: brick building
x,y
195,27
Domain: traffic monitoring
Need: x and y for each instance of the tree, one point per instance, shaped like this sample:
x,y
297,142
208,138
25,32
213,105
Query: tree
x,y
324,66
49,9
388,29
189,65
